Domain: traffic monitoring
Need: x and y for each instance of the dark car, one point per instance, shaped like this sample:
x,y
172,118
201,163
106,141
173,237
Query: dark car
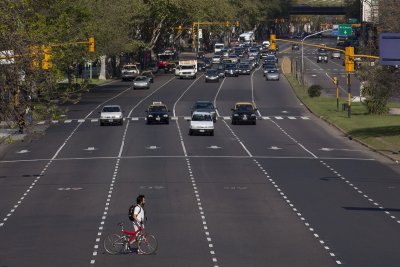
x,y
149,74
322,57
220,69
212,75
201,66
207,62
205,106
157,113
170,68
231,70
295,47
244,112
244,69
200,55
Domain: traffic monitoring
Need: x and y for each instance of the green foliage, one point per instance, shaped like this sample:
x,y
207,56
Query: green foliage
x,y
314,90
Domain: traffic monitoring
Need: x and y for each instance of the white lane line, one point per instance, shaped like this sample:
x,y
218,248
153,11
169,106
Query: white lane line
x,y
56,154
187,89
67,121
94,120
295,210
104,216
368,198
143,99
216,96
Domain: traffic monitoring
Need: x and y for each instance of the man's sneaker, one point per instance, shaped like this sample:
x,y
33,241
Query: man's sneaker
x,y
139,252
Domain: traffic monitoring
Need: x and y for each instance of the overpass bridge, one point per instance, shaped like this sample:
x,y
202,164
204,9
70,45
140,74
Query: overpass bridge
x,y
318,7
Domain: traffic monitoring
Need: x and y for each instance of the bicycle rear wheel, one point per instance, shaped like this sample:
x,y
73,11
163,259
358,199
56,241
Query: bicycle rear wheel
x,y
147,243
114,244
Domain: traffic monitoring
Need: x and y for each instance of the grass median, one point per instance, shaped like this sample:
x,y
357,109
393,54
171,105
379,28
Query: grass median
x,y
379,132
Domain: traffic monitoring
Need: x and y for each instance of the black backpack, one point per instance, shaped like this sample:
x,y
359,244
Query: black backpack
x,y
131,210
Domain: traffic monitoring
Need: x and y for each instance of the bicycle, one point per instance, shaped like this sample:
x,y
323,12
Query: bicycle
x,y
120,243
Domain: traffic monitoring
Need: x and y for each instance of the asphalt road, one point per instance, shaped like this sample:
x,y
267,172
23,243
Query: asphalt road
x,y
289,191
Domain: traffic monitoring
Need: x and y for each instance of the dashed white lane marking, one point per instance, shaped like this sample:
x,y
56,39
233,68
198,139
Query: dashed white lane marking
x,y
368,198
195,188
107,204
296,211
54,157
67,121
184,92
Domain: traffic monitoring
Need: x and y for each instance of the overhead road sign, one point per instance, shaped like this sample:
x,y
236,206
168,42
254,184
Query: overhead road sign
x,y
389,52
345,30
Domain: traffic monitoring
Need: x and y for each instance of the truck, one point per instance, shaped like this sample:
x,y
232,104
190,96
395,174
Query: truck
x,y
246,38
186,69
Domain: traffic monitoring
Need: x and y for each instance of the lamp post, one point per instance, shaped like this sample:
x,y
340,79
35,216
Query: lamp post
x,y
302,52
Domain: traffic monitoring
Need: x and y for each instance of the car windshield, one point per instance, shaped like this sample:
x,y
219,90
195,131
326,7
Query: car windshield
x,y
129,68
211,72
190,67
230,66
158,109
244,107
141,78
201,117
111,109
243,66
206,105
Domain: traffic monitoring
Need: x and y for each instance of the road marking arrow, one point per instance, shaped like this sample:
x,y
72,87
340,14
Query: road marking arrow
x,y
338,149
152,147
23,151
274,148
91,148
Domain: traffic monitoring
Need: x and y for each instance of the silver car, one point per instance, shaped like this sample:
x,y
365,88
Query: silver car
x,y
141,82
272,75
335,54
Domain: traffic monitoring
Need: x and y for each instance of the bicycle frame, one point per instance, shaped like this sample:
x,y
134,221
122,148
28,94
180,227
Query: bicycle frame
x,y
132,235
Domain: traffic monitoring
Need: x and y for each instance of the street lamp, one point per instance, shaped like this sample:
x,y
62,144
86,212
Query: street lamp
x,y
302,52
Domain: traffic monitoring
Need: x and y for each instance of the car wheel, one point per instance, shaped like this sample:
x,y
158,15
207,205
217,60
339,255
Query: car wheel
x,y
212,133
254,122
190,132
167,122
101,123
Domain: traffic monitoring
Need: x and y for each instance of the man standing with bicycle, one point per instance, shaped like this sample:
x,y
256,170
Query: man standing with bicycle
x,y
139,215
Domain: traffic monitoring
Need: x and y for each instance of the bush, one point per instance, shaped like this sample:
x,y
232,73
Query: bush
x,y
314,90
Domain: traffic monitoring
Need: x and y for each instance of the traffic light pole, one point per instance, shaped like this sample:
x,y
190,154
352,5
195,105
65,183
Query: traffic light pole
x,y
349,95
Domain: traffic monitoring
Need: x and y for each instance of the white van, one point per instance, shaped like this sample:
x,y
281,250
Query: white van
x,y
218,47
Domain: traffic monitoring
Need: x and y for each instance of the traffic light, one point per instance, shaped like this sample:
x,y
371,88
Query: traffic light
x,y
180,28
237,23
227,23
91,44
272,42
46,61
349,59
35,56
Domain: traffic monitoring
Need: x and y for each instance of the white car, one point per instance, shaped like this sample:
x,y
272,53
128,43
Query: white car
x,y
201,122
111,114
129,72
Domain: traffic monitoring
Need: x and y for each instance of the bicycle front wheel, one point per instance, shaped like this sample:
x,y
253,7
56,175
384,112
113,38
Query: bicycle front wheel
x,y
147,243
114,244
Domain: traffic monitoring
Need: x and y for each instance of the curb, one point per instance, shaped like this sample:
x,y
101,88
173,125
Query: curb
x,y
340,129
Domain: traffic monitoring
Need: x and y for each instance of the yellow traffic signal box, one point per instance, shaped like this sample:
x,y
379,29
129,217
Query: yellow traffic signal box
x,y
272,40
91,44
227,23
349,59
46,61
237,23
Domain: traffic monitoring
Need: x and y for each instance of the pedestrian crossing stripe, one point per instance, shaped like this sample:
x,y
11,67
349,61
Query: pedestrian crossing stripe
x,y
186,118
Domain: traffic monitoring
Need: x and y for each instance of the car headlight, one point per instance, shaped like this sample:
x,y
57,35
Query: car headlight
x,y
253,115
236,115
150,116
165,115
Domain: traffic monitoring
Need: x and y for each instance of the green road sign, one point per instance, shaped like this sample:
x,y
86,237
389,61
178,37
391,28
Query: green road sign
x,y
345,30
353,20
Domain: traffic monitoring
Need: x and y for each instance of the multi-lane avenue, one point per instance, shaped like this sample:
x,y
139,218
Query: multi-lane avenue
x,y
289,191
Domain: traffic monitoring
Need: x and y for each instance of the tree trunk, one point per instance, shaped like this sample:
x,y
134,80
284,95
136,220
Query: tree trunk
x,y
102,75
156,34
